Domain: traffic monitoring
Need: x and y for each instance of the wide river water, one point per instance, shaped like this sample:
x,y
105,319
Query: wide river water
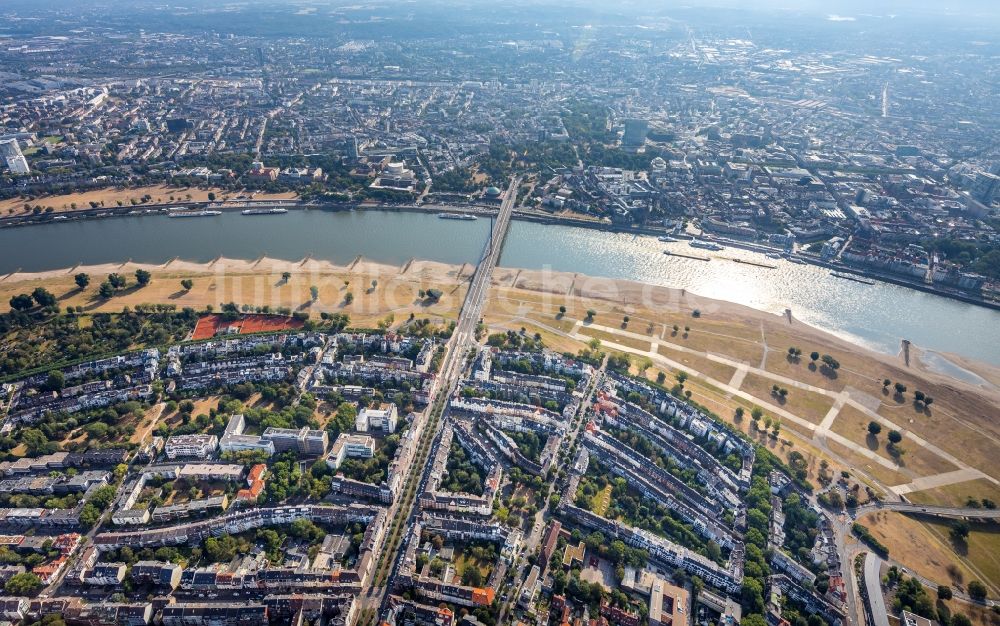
x,y
877,316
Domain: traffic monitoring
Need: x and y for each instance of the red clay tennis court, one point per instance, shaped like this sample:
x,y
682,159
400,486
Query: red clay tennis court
x,y
211,325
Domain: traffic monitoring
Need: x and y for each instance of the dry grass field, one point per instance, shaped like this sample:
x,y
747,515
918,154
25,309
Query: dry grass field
x,y
924,545
957,495
912,543
808,405
853,424
111,196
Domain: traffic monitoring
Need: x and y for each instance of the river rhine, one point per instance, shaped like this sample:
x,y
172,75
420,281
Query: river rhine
x,y
877,315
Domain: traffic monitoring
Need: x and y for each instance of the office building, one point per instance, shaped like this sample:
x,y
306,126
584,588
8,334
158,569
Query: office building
x,y
305,441
635,133
383,418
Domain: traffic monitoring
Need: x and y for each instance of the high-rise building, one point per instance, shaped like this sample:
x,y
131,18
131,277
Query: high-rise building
x,y
635,133
985,187
18,165
9,148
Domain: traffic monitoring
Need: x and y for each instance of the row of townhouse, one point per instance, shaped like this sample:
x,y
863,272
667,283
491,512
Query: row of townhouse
x,y
529,381
464,595
253,361
607,447
192,508
144,360
506,446
379,361
30,398
162,574
352,393
811,602
660,550
696,423
333,609
358,489
402,611
436,589
108,396
479,451
134,362
75,612
243,344
269,579
58,485
264,372
660,485
41,517
106,457
392,343
374,519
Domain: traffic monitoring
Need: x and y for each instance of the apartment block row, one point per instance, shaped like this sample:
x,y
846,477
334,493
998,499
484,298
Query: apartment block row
x,y
689,423
543,361
95,384
509,415
434,499
380,372
236,522
660,485
660,550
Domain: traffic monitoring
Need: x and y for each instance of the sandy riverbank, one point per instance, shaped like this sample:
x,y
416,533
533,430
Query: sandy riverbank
x,y
261,282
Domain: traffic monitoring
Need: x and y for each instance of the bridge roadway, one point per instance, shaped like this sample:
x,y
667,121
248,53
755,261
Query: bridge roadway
x,y
928,509
463,337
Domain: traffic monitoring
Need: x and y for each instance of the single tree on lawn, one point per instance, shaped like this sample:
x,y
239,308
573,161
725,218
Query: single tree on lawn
x,y
43,296
21,302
